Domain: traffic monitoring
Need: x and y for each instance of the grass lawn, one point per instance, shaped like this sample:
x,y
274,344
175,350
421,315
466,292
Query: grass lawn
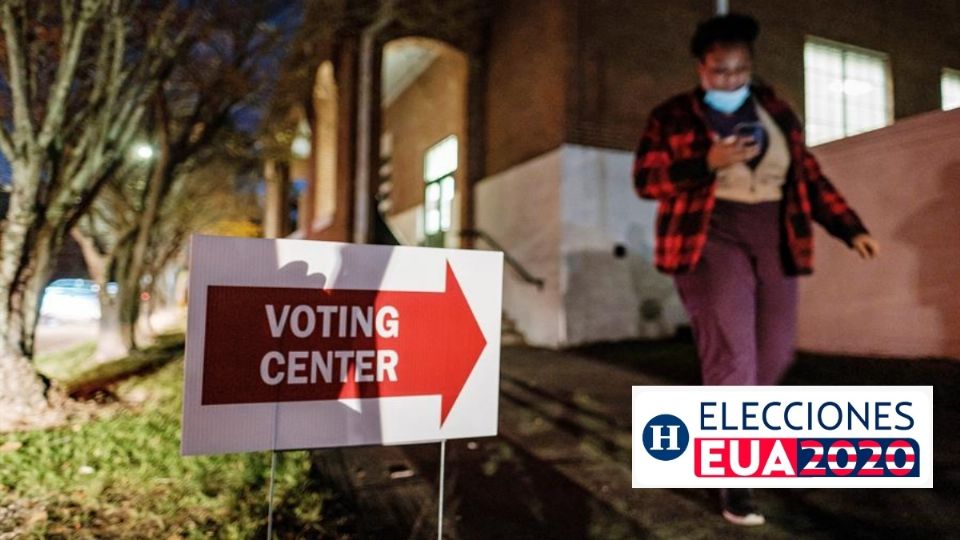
x,y
119,474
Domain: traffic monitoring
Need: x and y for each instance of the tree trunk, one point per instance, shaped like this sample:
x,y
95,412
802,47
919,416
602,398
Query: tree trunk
x,y
125,311
23,391
28,249
111,340
158,186
129,300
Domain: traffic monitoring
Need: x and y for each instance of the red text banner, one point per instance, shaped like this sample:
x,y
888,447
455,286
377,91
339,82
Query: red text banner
x,y
266,344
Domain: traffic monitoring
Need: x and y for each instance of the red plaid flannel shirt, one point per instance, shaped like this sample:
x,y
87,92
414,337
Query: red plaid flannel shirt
x,y
671,167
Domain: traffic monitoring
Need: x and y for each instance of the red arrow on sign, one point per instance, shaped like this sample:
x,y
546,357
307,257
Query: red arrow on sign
x,y
267,344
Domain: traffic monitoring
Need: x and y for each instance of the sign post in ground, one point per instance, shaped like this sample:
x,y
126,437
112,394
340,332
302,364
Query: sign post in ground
x,y
295,344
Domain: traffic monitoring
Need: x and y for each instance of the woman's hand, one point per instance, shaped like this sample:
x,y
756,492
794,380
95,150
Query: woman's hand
x,y
729,150
866,246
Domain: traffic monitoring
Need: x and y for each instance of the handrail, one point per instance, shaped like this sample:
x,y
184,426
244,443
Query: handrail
x,y
512,262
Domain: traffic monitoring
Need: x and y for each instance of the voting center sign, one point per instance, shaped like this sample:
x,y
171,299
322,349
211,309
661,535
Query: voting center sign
x,y
306,344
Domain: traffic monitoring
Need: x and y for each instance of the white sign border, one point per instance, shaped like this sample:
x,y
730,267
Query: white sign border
x,y
217,429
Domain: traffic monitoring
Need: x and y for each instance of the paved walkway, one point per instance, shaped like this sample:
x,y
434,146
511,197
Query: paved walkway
x,y
560,467
53,337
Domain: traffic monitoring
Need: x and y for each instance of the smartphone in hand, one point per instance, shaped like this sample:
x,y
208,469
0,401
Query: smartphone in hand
x,y
749,133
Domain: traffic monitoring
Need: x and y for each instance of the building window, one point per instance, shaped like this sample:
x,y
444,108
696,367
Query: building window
x,y
950,89
439,166
847,90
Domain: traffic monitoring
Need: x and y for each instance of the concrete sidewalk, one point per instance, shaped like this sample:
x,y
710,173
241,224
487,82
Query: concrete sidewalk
x,y
560,467
53,337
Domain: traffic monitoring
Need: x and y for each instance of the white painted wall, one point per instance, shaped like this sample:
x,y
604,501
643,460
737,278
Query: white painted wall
x,y
603,294
904,181
520,209
561,215
407,226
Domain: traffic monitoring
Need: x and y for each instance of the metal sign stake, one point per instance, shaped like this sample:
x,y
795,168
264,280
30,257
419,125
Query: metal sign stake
x,y
273,470
443,454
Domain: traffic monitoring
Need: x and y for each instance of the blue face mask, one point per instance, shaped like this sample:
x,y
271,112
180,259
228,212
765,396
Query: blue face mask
x,y
727,101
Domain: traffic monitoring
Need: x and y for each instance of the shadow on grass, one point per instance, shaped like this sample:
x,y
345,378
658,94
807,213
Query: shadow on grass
x,y
78,376
120,475
310,508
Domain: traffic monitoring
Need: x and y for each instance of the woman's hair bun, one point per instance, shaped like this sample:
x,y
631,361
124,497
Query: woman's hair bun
x,y
732,28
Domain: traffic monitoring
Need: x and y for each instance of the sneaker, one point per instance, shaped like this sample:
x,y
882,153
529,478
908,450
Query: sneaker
x,y
738,507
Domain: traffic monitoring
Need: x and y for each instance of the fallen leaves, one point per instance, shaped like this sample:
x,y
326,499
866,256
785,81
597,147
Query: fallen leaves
x,y
10,446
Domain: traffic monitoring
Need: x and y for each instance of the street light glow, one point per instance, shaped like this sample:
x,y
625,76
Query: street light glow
x,y
143,151
300,147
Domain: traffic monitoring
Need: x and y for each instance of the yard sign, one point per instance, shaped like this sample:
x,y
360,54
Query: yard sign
x,y
305,344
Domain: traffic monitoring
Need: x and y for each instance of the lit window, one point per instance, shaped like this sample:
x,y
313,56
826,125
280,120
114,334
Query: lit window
x,y
446,202
441,159
432,204
439,166
847,91
950,89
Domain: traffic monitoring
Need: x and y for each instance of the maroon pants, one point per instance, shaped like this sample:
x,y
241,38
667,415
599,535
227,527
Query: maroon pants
x,y
742,307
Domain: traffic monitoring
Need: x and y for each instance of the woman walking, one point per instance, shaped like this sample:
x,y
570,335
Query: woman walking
x,y
737,191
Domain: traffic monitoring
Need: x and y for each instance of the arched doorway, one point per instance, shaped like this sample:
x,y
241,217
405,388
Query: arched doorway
x,y
423,140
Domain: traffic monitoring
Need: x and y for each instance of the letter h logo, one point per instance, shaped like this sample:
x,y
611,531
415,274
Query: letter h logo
x,y
663,434
665,437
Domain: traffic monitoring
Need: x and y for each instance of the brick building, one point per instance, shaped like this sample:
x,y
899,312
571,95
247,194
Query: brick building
x,y
519,128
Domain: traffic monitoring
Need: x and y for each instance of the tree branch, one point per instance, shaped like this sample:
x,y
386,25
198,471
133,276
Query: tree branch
x,y
23,137
66,68
6,144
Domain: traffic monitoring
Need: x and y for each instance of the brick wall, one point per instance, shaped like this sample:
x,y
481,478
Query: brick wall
x,y
606,63
920,38
631,56
635,54
528,70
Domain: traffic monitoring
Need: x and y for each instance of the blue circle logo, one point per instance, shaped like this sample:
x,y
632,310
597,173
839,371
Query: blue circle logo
x,y
665,437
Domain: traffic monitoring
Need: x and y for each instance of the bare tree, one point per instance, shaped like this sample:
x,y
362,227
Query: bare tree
x,y
204,110
211,194
74,77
